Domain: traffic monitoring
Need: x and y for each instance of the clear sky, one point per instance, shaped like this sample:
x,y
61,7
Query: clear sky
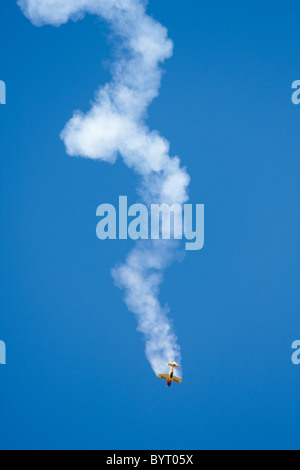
x,y
76,373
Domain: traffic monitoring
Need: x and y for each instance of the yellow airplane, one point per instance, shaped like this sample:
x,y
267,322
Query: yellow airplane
x,y
169,378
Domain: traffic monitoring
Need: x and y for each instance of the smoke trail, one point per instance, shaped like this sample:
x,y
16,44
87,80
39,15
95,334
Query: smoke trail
x,y
115,125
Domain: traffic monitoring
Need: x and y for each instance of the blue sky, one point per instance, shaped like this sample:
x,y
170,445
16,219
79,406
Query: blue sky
x,y
76,373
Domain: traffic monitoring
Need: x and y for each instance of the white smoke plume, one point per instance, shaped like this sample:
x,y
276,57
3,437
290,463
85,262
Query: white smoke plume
x,y
115,125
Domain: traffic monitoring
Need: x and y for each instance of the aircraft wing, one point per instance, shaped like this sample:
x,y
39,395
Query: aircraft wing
x,y
163,376
176,380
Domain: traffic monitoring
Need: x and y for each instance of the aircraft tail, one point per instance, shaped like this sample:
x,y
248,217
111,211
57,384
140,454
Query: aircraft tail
x,y
173,364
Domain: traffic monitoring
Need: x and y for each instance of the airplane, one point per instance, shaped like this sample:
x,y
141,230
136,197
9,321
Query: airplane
x,y
169,378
